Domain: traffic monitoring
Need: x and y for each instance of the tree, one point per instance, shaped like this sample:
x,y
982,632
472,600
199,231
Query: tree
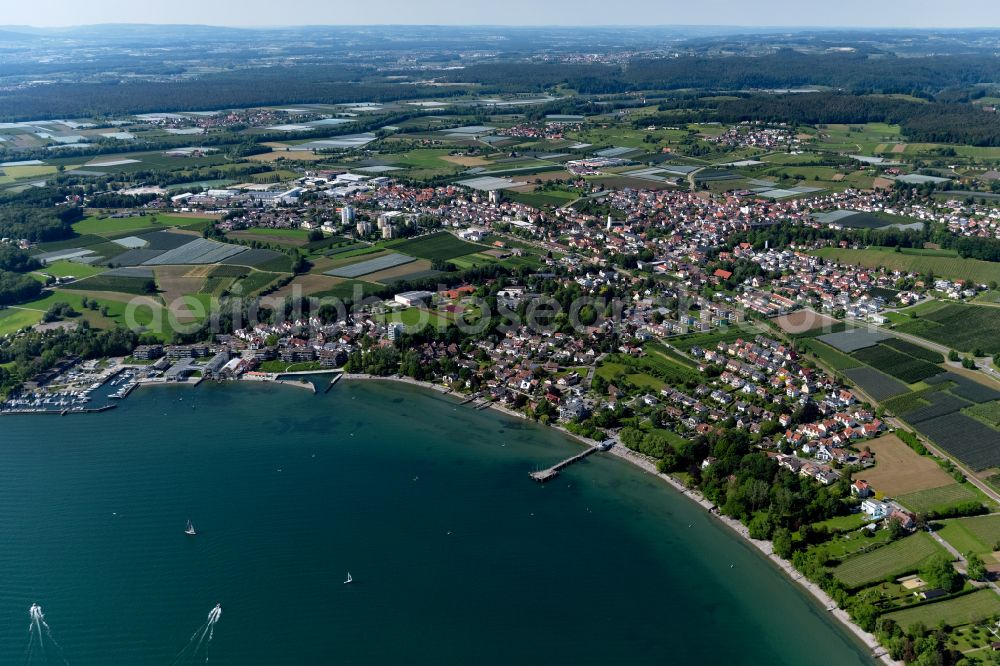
x,y
976,566
782,541
939,572
896,529
953,355
760,525
315,235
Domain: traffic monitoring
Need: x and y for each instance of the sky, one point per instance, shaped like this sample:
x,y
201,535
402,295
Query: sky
x,y
842,13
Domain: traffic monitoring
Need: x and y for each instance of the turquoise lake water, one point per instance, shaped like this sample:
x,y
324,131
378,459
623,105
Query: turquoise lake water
x,y
457,556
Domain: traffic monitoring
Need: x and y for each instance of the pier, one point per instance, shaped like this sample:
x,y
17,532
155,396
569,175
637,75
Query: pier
x,y
336,378
552,472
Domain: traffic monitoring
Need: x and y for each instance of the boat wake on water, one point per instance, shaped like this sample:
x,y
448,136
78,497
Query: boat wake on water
x,y
42,647
201,639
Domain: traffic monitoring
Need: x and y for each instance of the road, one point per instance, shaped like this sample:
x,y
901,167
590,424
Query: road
x,y
690,178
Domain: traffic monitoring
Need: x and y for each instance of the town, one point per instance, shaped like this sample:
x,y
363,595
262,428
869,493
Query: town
x,y
789,317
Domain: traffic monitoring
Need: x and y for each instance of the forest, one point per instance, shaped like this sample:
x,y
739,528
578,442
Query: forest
x,y
786,68
38,225
930,122
340,83
326,84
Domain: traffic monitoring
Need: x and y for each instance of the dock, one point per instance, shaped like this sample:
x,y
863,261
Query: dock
x,y
58,412
552,472
336,378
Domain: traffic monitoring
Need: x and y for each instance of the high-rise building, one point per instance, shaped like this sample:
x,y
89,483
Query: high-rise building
x,y
346,215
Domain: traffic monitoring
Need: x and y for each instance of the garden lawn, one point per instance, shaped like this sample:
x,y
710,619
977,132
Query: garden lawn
x,y
14,319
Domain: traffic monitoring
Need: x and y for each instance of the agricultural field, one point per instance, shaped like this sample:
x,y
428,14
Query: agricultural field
x,y
974,443
900,470
107,226
902,366
974,390
856,138
937,499
262,260
853,339
710,339
962,327
908,402
118,283
894,559
374,265
408,271
802,321
873,221
962,610
307,285
425,163
176,282
834,359
254,282
441,245
979,534
878,385
980,272
289,237
64,269
544,198
987,412
916,351
198,251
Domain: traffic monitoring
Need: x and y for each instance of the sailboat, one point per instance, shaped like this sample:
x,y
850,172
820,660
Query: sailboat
x,y
189,529
349,579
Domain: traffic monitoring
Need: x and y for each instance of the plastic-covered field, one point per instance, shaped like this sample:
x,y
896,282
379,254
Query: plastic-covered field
x,y
371,266
198,251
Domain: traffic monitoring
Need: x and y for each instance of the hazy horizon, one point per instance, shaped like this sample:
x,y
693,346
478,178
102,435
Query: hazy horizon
x,y
852,14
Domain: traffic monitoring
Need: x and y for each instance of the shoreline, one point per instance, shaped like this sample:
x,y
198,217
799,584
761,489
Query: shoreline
x,y
646,465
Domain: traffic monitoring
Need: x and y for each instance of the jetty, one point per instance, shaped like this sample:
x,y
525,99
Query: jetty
x,y
309,386
552,472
